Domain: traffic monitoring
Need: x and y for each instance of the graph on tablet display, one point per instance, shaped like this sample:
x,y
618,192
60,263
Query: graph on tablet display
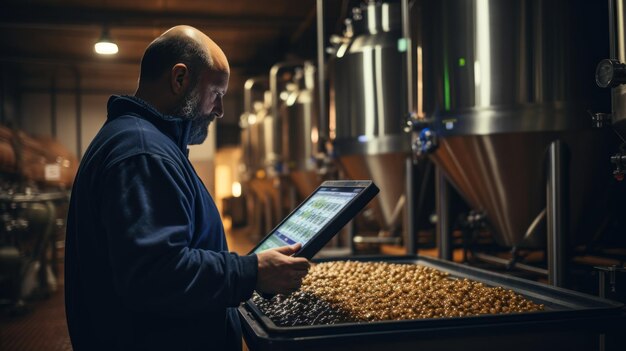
x,y
310,218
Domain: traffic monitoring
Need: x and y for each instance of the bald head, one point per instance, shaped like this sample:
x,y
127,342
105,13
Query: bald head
x,y
182,44
185,74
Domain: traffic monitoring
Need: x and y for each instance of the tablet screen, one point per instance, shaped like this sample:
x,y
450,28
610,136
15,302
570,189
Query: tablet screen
x,y
311,217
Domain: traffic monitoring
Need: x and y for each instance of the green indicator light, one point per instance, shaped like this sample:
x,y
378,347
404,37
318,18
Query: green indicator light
x,y
446,82
446,89
402,44
462,62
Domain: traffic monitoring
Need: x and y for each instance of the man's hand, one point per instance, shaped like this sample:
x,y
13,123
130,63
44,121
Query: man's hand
x,y
279,273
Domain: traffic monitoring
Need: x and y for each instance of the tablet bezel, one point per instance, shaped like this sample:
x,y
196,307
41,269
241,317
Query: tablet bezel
x,y
342,218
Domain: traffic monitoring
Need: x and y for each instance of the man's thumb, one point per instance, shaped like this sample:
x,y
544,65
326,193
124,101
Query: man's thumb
x,y
289,250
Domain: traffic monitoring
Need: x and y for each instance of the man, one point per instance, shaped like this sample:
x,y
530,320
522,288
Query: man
x,y
147,267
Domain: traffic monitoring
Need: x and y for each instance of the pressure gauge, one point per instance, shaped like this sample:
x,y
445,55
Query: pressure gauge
x,y
610,73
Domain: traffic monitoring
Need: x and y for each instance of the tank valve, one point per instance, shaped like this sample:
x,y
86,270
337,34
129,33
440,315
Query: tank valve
x,y
424,137
601,120
425,143
610,73
611,272
619,160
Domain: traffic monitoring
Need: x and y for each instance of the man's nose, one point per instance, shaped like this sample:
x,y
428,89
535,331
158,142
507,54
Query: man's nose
x,y
218,108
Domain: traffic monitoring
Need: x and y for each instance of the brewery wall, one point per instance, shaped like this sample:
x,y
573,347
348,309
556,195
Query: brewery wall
x,y
36,110
51,105
48,99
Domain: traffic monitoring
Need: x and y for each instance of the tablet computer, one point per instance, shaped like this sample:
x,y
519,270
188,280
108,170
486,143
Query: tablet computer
x,y
316,220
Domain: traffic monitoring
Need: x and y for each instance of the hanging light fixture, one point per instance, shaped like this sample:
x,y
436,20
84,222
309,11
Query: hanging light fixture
x,y
106,46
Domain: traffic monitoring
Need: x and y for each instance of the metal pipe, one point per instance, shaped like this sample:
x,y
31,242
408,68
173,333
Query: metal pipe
x,y
444,236
602,282
31,198
612,21
78,105
281,188
247,95
16,121
602,294
351,235
321,76
53,106
411,220
274,72
504,262
556,214
406,34
3,98
247,92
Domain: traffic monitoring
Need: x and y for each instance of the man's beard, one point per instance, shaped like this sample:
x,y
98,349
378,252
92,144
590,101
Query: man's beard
x,y
190,110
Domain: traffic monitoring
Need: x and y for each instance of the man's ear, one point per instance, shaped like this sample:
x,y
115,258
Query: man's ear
x,y
179,78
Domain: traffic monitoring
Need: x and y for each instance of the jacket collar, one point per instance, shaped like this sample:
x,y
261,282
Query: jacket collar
x,y
174,127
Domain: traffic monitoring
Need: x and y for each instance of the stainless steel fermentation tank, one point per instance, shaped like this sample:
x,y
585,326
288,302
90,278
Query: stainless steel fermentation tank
x,y
368,92
294,102
280,140
257,104
507,84
259,155
611,73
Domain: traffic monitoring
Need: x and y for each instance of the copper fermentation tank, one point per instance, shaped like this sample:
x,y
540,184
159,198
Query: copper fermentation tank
x,y
39,159
370,98
502,80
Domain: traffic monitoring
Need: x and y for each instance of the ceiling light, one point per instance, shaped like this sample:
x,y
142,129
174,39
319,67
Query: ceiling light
x,y
105,46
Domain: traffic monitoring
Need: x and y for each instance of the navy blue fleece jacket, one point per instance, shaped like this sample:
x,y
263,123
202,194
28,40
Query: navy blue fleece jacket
x,y
147,266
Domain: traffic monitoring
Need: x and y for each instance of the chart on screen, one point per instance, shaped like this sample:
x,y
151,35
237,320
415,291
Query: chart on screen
x,y
309,219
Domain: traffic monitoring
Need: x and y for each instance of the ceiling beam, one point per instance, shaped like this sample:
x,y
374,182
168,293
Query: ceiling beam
x,y
86,61
46,15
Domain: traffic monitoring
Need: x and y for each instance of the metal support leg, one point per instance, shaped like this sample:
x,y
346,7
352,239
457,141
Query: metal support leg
x,y
556,207
444,235
351,233
602,293
279,185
